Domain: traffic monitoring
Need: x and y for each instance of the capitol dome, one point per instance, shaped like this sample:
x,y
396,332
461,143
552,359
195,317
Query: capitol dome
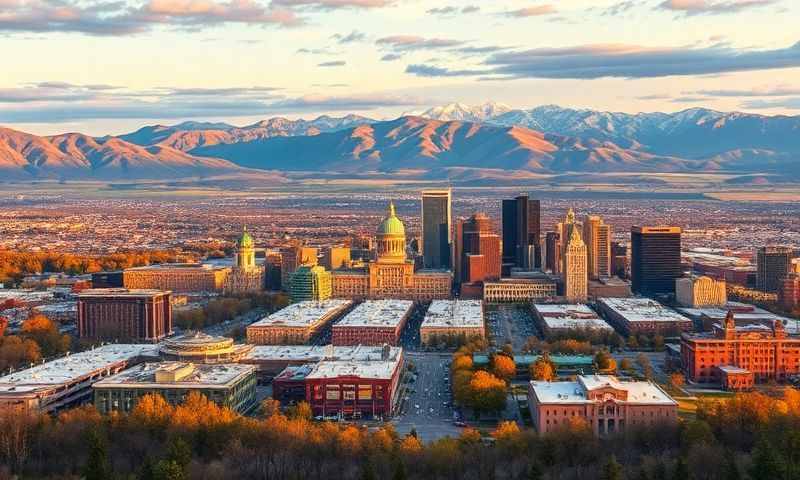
x,y
391,225
246,240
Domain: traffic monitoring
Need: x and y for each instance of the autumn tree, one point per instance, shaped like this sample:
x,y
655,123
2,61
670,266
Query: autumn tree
x,y
645,365
488,393
604,361
543,369
504,367
45,333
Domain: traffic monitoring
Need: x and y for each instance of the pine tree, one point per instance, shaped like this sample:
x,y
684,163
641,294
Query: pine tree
x,y
97,466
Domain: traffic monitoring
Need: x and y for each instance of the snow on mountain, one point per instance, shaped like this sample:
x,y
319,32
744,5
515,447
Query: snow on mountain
x,y
464,113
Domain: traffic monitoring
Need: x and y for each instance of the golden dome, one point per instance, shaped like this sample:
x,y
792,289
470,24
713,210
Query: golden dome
x,y
391,225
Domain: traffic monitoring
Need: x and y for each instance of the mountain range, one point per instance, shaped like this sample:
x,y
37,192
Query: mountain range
x,y
456,142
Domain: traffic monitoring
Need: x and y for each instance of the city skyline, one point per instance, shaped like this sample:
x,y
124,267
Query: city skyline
x,y
115,66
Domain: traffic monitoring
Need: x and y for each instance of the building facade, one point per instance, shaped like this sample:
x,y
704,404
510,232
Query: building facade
x,y
334,258
655,259
292,258
311,283
632,316
575,271
118,314
511,290
374,322
453,318
552,252
767,352
436,229
177,277
522,232
480,255
597,236
296,324
789,293
772,264
605,403
245,275
700,291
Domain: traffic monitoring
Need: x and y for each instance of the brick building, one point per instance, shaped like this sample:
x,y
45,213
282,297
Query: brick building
x,y
296,324
123,314
374,322
767,352
642,315
178,277
453,318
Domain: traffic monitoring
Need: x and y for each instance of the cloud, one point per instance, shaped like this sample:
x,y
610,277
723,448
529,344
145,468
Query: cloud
x,y
632,61
119,18
712,7
620,8
354,102
391,57
354,36
318,51
334,63
480,50
413,42
780,91
689,99
536,11
334,4
654,96
792,103
434,71
451,10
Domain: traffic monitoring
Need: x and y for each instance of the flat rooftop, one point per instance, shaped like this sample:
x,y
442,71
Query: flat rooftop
x,y
26,295
454,313
67,369
314,353
375,369
645,393
377,313
571,316
192,375
180,266
121,292
303,314
640,309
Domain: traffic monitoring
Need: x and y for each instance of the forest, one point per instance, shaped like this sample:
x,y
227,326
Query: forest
x,y
750,436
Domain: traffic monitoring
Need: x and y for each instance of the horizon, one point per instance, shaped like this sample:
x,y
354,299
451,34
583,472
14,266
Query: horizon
x,y
111,66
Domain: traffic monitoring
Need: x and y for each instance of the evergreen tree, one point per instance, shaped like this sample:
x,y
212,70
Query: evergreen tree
x,y
97,466
612,470
768,463
169,470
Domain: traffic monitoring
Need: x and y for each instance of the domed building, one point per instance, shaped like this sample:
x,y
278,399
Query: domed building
x,y
245,275
199,347
391,274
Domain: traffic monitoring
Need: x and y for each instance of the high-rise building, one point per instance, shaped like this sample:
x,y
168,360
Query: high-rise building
x,y
334,258
700,291
597,236
522,232
436,234
245,275
293,257
480,256
773,263
120,314
655,259
619,259
458,249
552,252
575,275
310,283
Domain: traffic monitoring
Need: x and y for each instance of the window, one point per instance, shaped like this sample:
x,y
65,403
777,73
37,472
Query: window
x,y
365,392
332,392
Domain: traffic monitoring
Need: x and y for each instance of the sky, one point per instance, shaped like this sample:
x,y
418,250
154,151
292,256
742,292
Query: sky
x,y
109,67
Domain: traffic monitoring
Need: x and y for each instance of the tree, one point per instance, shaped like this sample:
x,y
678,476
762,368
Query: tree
x,y
169,470
535,471
632,343
300,411
768,463
543,369
658,343
612,470
625,364
504,367
487,392
681,469
645,365
399,471
270,407
677,380
97,466
604,361
44,332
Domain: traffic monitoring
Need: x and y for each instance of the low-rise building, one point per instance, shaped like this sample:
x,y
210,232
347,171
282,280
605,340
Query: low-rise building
x,y
453,318
374,322
228,385
642,315
199,347
178,277
700,291
296,324
744,314
116,314
67,381
560,318
605,403
270,360
519,290
735,379
609,287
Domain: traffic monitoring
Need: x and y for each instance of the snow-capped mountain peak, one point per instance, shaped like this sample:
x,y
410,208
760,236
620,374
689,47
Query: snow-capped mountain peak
x,y
463,112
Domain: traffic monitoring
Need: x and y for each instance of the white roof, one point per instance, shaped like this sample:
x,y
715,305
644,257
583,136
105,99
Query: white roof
x,y
572,316
377,313
121,292
646,393
26,295
313,353
303,314
376,370
202,375
66,369
640,309
454,313
733,369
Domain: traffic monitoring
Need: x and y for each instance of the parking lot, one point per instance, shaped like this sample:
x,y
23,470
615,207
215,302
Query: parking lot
x,y
427,404
509,324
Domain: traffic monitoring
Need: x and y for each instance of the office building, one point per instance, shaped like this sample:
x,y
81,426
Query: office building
x,y
642,315
391,274
272,272
655,259
574,274
292,258
334,258
565,230
555,318
245,276
522,232
436,233
789,293
452,319
296,324
552,252
765,351
310,283
607,404
178,277
597,237
772,263
374,322
480,250
609,287
700,291
66,382
519,290
119,314
199,347
619,259
228,385
458,251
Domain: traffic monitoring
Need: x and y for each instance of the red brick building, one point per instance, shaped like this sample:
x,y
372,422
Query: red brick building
x,y
480,255
374,322
735,379
119,314
765,351
789,292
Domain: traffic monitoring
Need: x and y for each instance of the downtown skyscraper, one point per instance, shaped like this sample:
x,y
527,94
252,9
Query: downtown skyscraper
x,y
522,232
575,269
655,259
597,236
436,228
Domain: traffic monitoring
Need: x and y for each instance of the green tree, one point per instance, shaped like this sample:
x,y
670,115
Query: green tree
x,y
681,471
97,466
768,463
535,471
612,470
399,471
169,470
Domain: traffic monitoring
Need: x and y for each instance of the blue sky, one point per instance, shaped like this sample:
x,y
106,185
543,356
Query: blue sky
x,y
111,66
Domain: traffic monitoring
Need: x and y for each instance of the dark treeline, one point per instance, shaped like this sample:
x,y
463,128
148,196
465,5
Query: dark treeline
x,y
751,436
